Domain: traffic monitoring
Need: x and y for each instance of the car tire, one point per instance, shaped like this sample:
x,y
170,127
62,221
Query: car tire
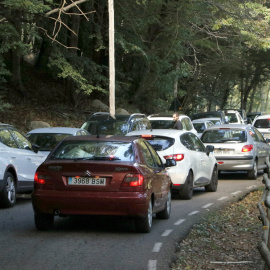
x,y
219,174
212,187
144,224
267,169
165,213
44,222
187,191
252,174
9,191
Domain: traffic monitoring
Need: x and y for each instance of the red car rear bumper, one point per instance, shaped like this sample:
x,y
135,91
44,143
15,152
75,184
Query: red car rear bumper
x,y
98,203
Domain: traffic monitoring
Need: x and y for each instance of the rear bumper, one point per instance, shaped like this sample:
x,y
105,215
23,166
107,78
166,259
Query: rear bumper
x,y
244,163
106,203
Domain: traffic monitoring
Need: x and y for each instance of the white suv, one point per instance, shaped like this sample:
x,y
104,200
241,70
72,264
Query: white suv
x,y
18,163
196,165
166,122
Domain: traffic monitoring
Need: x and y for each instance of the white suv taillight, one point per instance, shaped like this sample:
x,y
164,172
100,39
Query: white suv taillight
x,y
176,157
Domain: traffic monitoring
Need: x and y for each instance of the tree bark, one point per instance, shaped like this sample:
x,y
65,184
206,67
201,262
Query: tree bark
x,y
73,42
16,58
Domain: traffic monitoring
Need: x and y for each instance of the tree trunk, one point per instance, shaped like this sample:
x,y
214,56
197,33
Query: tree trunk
x,y
16,58
73,42
251,100
16,71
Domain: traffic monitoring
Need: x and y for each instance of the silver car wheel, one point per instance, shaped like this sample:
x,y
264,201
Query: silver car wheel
x,y
150,214
11,190
254,172
8,192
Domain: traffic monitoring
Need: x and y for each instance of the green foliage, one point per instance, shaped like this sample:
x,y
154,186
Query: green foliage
x,y
65,70
206,47
4,105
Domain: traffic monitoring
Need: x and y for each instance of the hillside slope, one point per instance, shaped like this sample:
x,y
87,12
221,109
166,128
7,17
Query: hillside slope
x,y
42,100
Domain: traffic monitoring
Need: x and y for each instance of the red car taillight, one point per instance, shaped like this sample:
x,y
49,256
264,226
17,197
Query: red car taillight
x,y
43,179
247,148
133,180
176,157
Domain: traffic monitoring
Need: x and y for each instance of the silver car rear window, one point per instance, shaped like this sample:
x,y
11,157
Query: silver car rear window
x,y
224,136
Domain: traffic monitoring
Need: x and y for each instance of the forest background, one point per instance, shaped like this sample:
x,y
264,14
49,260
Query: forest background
x,y
211,54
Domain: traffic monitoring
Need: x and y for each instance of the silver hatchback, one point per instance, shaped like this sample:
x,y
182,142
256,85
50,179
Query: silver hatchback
x,y
238,147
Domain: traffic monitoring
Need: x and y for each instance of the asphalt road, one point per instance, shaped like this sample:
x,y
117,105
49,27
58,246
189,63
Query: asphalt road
x,y
101,243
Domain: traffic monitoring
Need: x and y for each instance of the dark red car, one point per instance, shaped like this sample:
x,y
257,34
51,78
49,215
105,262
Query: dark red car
x,y
106,175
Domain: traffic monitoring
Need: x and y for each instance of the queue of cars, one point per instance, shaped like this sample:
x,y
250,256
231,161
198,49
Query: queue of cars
x,y
127,164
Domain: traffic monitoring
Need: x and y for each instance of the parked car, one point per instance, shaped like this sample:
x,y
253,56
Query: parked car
x,y
48,138
238,147
102,175
106,124
214,120
219,114
262,123
242,113
196,165
19,160
159,121
200,125
233,117
252,115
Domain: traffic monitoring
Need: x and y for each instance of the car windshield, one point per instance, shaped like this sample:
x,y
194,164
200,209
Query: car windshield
x,y
107,127
262,123
216,122
232,117
224,136
48,141
160,143
200,127
206,115
94,150
162,124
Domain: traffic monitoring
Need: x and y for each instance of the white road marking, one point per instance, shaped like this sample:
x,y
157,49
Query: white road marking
x,y
178,222
236,192
166,233
222,198
152,265
250,187
193,213
157,247
207,205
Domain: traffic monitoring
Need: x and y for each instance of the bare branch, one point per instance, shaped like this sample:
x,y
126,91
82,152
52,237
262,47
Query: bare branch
x,y
80,10
61,22
45,31
65,8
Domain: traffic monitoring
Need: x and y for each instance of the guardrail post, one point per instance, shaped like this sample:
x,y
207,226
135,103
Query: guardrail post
x,y
264,245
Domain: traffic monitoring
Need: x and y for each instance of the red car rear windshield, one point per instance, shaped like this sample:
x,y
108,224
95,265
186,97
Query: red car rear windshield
x,y
94,150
